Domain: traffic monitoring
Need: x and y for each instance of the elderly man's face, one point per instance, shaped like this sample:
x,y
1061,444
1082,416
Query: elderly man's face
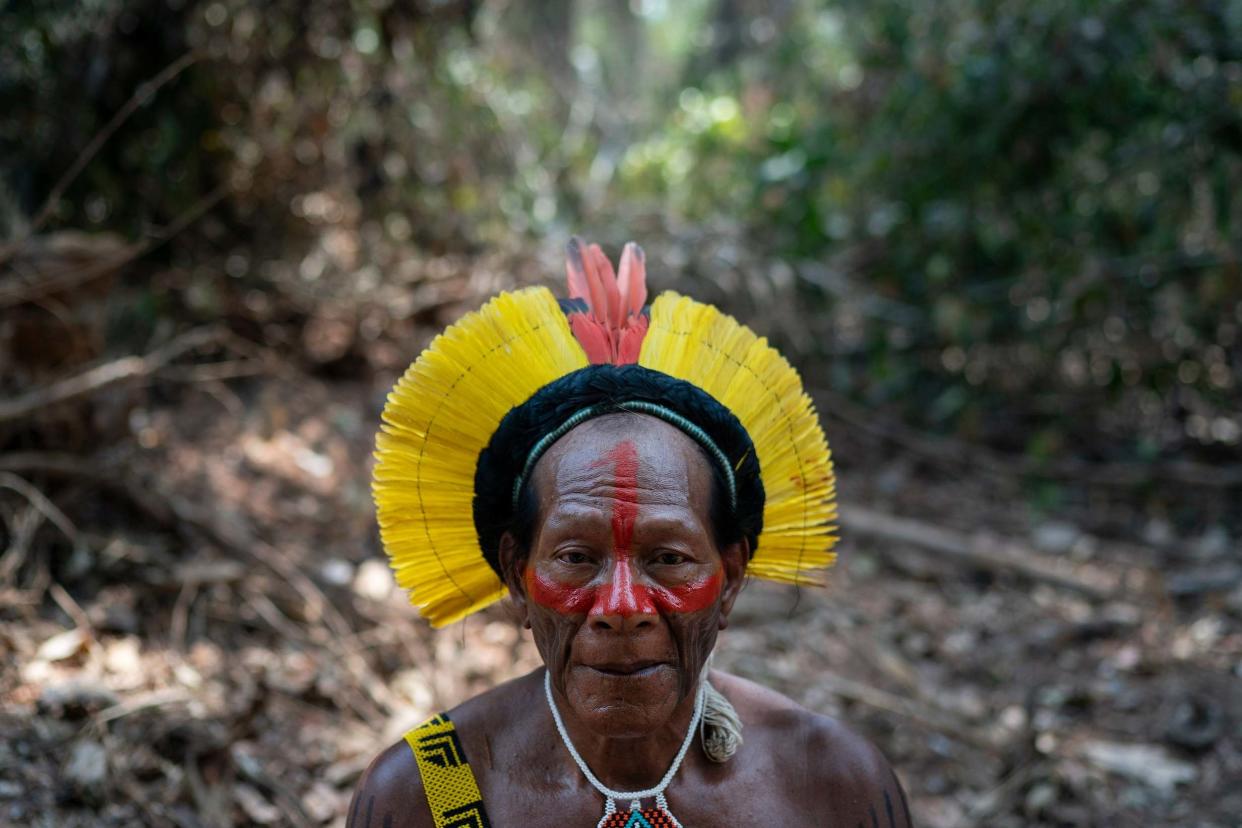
x,y
624,586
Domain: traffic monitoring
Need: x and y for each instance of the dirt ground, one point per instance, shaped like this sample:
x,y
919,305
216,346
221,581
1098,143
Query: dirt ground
x,y
214,638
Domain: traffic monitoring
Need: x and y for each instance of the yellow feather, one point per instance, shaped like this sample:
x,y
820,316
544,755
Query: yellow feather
x,y
696,342
438,418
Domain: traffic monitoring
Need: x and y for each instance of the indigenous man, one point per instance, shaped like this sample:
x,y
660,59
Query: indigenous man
x,y
617,470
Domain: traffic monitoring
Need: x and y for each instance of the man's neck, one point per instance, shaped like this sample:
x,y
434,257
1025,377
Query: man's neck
x,y
629,763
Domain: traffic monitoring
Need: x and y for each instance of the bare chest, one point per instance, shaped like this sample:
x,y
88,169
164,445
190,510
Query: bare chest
x,y
712,797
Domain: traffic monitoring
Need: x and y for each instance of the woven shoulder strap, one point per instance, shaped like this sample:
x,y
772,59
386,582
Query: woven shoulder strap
x,y
448,781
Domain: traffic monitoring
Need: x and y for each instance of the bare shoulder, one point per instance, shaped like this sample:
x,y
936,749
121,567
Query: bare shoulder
x,y
499,708
866,788
842,770
390,793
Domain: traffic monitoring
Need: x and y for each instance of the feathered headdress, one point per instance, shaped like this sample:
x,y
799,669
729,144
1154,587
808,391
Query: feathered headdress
x,y
607,308
469,414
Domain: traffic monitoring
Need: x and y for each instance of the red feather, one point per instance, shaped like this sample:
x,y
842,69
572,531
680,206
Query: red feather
x,y
632,278
593,337
631,341
614,314
598,302
613,327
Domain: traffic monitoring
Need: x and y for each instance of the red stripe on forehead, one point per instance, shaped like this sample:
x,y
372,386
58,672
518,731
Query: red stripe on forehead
x,y
621,596
624,459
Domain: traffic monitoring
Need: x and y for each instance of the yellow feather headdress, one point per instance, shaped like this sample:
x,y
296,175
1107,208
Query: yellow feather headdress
x,y
444,411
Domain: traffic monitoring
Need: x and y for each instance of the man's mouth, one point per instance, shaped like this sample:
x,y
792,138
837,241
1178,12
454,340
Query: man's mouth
x,y
626,669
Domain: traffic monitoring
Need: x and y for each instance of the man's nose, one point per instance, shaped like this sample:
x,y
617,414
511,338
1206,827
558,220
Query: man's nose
x,y
623,604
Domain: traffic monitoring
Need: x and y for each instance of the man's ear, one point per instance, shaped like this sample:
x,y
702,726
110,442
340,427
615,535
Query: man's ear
x,y
512,570
734,557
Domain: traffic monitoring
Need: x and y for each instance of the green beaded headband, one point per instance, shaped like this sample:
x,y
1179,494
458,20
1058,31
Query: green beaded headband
x,y
639,406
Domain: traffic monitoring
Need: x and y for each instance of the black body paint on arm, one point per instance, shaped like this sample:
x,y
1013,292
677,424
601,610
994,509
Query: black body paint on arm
x,y
889,811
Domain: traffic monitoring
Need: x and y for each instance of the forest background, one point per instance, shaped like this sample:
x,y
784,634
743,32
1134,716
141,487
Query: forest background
x,y
1000,239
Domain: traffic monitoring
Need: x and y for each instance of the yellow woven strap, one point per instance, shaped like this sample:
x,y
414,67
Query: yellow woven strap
x,y
448,781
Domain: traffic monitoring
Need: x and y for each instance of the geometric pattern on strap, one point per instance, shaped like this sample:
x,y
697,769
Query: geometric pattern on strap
x,y
451,790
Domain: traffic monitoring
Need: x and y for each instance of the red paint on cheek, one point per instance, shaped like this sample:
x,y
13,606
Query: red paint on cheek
x,y
564,599
692,597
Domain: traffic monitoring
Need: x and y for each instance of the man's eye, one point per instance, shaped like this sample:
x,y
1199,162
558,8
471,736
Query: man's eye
x,y
574,558
670,558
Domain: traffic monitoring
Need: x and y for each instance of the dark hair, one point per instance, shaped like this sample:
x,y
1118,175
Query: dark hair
x,y
502,460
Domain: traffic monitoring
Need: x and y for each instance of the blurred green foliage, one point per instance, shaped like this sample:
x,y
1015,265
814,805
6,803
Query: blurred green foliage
x,y
1013,221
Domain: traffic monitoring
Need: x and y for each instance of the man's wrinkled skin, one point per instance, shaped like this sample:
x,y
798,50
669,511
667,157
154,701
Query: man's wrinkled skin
x,y
625,589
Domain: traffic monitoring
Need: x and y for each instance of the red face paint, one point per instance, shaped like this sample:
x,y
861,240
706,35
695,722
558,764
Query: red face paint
x,y
691,597
564,599
620,595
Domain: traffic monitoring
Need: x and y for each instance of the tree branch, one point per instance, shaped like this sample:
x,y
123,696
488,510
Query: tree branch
x,y
141,96
103,376
949,544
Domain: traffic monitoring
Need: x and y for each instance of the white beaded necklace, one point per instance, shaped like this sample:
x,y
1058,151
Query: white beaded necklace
x,y
635,797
